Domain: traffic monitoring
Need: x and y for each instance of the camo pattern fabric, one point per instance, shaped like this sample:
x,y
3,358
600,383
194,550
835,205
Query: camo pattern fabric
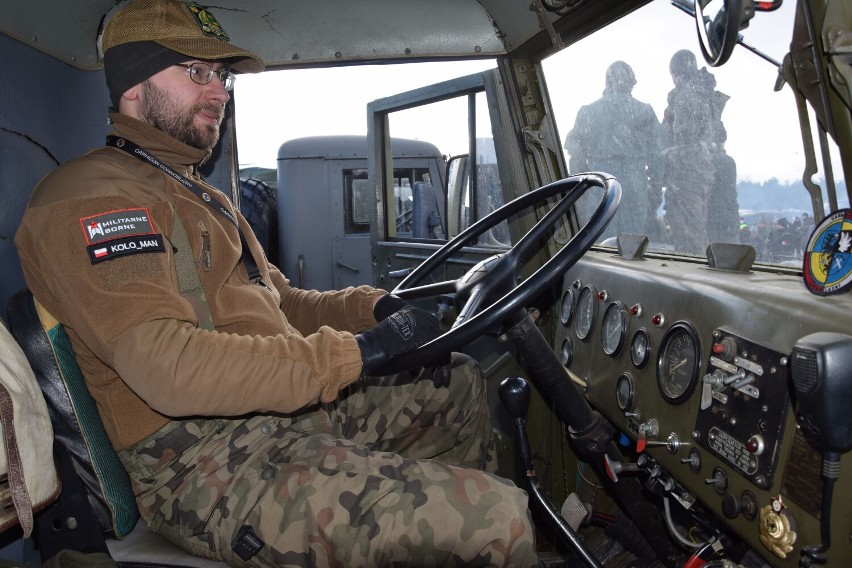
x,y
330,487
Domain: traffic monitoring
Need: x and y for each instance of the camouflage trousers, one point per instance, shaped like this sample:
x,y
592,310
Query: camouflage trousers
x,y
372,480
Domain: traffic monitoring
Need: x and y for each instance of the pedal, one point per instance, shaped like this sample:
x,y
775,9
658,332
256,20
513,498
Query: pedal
x,y
574,511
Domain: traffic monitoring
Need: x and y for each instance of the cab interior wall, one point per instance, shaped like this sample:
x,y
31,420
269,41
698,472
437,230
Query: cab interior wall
x,y
46,118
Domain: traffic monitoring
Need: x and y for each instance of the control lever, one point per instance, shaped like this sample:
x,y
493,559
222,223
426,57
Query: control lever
x,y
515,394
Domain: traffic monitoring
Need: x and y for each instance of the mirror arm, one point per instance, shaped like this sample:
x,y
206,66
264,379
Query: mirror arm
x,y
756,51
807,143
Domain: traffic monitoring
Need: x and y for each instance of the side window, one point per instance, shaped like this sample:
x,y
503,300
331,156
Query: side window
x,y
359,200
416,204
426,206
486,192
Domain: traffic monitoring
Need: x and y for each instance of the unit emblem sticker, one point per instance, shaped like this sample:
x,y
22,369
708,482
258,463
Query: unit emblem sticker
x,y
118,233
828,256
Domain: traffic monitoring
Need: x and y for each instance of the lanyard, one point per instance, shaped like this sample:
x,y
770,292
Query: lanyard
x,y
134,150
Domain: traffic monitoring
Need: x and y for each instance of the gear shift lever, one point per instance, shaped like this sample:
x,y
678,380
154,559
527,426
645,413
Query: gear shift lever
x,y
515,395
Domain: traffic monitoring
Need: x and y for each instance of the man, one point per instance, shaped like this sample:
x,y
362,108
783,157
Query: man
x,y
620,135
237,411
693,129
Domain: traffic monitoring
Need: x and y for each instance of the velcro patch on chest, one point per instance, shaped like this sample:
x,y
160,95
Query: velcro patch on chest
x,y
111,225
124,246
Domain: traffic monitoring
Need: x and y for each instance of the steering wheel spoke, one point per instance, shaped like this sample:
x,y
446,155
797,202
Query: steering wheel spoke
x,y
489,290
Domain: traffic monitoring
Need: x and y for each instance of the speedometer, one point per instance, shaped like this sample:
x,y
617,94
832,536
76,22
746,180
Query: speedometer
x,y
585,313
678,362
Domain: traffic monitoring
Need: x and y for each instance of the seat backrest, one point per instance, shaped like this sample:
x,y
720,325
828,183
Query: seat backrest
x,y
76,422
426,222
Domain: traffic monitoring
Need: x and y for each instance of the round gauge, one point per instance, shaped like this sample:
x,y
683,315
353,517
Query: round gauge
x,y
678,362
640,348
625,393
585,313
567,308
614,328
567,351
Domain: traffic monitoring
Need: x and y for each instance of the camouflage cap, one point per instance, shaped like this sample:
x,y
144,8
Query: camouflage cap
x,y
188,29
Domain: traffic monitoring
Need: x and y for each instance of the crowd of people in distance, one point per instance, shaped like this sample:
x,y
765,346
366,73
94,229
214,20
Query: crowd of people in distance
x,y
779,239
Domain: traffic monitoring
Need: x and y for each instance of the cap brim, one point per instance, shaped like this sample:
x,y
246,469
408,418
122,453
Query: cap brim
x,y
211,49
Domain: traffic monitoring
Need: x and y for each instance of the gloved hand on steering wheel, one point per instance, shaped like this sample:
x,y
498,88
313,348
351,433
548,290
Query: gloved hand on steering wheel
x,y
401,328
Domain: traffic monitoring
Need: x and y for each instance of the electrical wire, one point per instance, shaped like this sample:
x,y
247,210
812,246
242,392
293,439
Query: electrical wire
x,y
675,533
583,477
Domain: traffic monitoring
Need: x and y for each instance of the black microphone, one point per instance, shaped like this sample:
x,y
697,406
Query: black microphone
x,y
821,369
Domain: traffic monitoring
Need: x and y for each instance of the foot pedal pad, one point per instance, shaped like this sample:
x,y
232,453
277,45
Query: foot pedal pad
x,y
574,511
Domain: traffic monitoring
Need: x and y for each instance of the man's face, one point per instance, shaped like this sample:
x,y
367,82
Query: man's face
x,y
183,109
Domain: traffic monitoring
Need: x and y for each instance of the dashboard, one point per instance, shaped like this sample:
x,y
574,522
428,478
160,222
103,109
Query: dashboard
x,y
693,365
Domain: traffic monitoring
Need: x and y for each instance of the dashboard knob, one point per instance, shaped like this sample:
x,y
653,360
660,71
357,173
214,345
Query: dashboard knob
x,y
733,506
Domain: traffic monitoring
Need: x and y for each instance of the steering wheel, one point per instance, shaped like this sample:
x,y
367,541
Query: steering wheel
x,y
489,290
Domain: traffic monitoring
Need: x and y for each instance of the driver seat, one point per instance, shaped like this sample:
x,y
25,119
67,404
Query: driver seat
x,y
96,510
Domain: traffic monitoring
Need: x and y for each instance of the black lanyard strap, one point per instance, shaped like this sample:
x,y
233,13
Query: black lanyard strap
x,y
134,150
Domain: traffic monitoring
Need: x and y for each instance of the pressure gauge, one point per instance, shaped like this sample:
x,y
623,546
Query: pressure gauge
x,y
678,363
625,393
640,348
585,313
567,308
614,328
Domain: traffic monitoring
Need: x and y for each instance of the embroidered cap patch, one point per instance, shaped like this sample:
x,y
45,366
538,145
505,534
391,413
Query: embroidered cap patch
x,y
207,22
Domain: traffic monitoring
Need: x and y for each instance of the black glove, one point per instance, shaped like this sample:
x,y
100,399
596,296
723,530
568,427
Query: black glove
x,y
402,331
388,305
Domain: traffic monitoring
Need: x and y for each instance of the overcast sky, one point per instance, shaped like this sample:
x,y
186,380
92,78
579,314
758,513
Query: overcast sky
x,y
762,129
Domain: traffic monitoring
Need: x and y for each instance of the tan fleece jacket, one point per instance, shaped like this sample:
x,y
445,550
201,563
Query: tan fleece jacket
x,y
274,349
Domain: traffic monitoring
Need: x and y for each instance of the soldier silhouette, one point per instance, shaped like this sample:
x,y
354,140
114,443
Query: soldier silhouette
x,y
697,167
621,135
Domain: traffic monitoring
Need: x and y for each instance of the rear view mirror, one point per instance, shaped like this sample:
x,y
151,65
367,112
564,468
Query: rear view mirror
x,y
718,23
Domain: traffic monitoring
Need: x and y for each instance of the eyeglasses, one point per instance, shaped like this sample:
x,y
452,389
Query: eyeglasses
x,y
202,73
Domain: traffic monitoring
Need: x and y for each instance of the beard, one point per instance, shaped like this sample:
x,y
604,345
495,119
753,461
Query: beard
x,y
162,111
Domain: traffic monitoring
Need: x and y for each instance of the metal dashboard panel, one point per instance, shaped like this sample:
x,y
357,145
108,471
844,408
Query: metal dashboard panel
x,y
763,314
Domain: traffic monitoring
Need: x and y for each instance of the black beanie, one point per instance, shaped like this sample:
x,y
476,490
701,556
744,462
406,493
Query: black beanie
x,y
131,63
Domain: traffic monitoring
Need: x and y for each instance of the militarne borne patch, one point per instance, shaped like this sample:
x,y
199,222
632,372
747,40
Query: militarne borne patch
x,y
116,224
124,246
207,22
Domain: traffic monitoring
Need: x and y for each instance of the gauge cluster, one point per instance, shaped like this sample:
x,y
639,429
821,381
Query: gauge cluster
x,y
734,389
692,367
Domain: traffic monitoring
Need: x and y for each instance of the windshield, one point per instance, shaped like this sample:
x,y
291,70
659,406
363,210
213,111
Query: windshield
x,y
703,154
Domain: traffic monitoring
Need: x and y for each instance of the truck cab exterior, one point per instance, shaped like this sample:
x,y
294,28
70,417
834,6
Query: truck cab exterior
x,y
327,175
